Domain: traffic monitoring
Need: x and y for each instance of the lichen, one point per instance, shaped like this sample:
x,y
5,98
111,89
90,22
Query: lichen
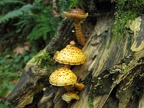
x,y
134,25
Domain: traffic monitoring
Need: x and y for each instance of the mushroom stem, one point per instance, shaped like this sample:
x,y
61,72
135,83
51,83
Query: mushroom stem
x,y
69,88
79,34
79,86
67,66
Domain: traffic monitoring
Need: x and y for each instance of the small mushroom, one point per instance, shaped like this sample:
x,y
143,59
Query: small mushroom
x,y
64,77
77,15
69,96
70,55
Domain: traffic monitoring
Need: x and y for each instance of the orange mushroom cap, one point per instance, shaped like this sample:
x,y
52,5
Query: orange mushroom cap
x,y
70,55
75,14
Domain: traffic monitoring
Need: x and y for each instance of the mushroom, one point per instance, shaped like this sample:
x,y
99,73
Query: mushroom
x,y
77,15
70,55
70,96
64,77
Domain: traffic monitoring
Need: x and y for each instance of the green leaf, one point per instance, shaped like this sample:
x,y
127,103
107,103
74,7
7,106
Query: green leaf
x,y
16,13
3,92
26,58
3,106
5,2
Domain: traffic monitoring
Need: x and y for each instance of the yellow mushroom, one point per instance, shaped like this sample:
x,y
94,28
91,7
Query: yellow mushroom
x,y
70,55
77,14
64,77
69,96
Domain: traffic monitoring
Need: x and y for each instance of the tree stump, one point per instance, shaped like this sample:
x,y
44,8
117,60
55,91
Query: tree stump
x,y
112,74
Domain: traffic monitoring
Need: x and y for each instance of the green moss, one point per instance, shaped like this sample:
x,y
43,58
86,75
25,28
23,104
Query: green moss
x,y
126,10
120,21
41,60
90,103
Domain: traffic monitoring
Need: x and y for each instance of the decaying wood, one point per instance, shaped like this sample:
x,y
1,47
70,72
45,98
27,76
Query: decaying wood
x,y
32,73
112,70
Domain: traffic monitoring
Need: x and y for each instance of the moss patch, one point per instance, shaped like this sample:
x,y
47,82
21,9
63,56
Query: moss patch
x,y
126,10
90,103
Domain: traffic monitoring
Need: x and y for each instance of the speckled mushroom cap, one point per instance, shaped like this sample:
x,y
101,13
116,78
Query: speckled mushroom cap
x,y
62,77
70,96
70,55
75,14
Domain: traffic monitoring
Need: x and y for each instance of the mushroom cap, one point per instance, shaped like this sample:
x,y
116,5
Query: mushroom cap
x,y
70,55
75,14
62,77
70,96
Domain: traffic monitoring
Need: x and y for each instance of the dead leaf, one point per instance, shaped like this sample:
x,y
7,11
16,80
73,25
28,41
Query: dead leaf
x,y
27,43
21,49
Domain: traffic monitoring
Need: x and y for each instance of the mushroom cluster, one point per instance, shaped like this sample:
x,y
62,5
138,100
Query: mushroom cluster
x,y
70,55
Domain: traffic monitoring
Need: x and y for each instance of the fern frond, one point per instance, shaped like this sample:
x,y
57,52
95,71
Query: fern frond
x,y
39,31
16,13
63,5
27,7
5,2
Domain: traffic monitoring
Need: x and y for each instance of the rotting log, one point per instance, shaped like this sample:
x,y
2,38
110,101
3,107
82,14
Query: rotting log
x,y
112,74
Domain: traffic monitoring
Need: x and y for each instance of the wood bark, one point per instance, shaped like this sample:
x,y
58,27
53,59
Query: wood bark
x,y
112,73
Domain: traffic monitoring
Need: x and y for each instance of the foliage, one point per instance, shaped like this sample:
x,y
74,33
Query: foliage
x,y
25,21
63,5
15,13
34,21
74,3
126,10
21,22
5,2
5,105
45,25
10,68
